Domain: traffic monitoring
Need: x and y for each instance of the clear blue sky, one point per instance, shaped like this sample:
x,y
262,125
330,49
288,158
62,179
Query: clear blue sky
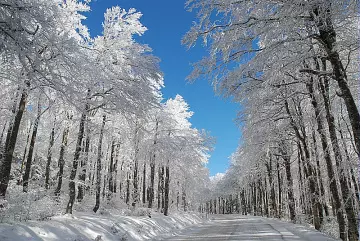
x,y
167,22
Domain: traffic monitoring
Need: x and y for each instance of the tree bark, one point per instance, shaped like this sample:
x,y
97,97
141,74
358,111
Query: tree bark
x,y
31,150
76,159
300,134
61,162
152,168
167,189
10,146
289,180
346,194
327,38
333,187
98,167
144,185
83,163
49,157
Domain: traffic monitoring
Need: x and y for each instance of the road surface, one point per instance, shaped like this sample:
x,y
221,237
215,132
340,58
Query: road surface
x,y
236,227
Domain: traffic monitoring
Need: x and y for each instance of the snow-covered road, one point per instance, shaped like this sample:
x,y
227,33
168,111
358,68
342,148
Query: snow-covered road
x,y
235,227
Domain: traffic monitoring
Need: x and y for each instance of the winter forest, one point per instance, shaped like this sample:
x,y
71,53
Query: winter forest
x,y
84,127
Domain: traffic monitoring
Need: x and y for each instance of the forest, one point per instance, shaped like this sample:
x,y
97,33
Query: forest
x,y
83,122
294,67
84,125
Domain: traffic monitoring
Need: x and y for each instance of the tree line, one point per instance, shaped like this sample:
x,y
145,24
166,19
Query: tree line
x,y
83,121
293,65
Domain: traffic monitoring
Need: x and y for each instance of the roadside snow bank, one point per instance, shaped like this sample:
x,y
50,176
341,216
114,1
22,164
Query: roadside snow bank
x,y
97,227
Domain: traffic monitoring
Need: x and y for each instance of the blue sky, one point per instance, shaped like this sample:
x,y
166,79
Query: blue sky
x,y
167,22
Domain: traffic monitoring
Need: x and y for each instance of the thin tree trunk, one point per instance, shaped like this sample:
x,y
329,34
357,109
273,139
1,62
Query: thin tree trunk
x,y
111,168
289,180
327,38
326,150
152,168
83,163
49,156
167,189
144,184
273,208
31,149
98,167
280,189
312,183
25,152
61,162
5,169
76,159
346,194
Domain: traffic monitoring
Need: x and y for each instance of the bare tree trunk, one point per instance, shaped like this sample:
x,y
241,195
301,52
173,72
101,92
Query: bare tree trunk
x,y
98,167
279,187
273,208
327,38
127,188
76,159
144,184
300,134
346,194
136,167
111,168
159,189
289,180
49,156
61,162
25,152
167,189
152,168
31,149
83,163
5,168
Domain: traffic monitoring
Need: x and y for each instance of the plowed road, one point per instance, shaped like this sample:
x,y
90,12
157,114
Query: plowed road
x,y
235,227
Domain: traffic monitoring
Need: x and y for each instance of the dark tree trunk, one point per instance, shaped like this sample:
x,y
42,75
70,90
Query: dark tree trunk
x,y
115,168
25,152
98,167
83,163
159,189
346,194
301,184
167,189
162,188
136,168
273,208
326,150
111,168
280,188
31,150
49,156
5,168
76,159
184,199
289,180
327,38
144,184
127,199
152,168
300,134
320,179
61,162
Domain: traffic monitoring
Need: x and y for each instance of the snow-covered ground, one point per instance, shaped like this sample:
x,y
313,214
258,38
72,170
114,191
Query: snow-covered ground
x,y
99,227
237,227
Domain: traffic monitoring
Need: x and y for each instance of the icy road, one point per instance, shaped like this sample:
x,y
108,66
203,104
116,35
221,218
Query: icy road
x,y
235,227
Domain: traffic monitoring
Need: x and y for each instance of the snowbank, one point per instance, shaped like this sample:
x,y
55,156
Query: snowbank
x,y
99,227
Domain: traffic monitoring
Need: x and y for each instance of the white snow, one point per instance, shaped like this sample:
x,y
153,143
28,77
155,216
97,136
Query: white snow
x,y
98,227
